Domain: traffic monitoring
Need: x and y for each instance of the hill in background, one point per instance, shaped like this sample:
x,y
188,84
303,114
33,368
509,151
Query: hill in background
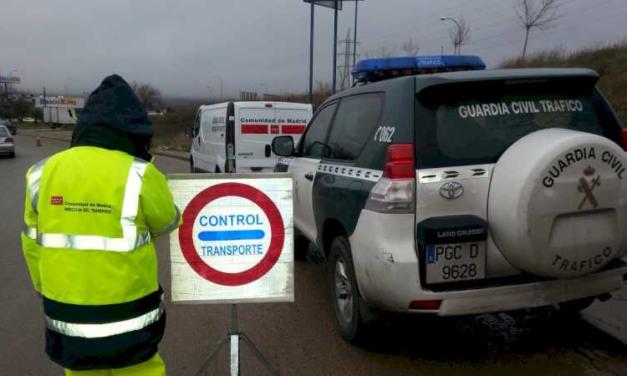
x,y
609,61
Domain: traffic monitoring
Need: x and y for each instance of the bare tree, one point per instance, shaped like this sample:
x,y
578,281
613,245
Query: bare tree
x,y
410,48
539,14
460,34
149,96
383,52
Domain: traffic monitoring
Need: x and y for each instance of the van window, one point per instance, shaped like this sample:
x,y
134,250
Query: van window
x,y
196,124
314,141
355,121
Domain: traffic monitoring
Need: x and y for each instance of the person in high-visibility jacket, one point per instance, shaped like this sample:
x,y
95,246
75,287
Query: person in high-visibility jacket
x,y
92,213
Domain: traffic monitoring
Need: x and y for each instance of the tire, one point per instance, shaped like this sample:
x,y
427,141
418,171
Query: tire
x,y
575,306
12,155
301,245
533,210
347,302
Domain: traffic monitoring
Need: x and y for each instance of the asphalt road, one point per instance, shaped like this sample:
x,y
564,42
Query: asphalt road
x,y
300,338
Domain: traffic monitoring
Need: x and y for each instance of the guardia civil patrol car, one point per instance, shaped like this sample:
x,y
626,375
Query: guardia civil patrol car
x,y
436,186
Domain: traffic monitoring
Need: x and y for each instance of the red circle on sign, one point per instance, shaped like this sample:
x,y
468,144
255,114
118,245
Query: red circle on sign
x,y
186,239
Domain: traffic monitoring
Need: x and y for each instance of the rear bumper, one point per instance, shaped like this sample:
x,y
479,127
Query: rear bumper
x,y
538,294
7,148
387,271
400,286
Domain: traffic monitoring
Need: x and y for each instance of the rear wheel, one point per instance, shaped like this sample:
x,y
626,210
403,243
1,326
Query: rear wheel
x,y
575,306
347,300
12,155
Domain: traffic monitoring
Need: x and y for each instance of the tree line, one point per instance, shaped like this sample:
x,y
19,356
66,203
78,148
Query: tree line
x,y
531,15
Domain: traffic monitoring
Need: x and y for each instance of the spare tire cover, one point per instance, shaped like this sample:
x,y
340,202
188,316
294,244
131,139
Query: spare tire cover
x,y
557,203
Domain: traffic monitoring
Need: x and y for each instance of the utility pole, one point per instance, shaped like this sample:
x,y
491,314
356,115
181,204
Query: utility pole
x,y
345,68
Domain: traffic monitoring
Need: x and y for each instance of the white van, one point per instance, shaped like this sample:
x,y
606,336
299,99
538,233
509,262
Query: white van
x,y
237,136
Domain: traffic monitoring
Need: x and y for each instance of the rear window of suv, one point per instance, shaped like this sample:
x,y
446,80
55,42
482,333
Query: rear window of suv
x,y
463,130
4,132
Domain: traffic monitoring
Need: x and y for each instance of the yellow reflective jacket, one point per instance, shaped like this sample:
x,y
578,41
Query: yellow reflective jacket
x,y
91,215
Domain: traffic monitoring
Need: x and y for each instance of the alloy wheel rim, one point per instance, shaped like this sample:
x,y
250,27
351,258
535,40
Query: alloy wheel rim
x,y
343,291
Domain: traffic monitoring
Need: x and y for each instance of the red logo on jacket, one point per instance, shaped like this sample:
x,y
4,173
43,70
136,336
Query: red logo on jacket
x,y
56,200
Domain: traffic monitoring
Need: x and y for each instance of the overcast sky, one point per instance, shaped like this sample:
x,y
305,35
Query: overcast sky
x,y
183,46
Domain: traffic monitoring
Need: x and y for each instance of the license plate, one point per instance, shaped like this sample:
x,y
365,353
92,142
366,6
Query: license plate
x,y
454,262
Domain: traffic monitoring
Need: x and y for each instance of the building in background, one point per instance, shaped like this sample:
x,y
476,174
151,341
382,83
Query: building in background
x,y
61,109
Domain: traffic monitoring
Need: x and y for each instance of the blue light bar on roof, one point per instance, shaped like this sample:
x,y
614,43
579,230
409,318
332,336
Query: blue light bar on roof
x,y
378,69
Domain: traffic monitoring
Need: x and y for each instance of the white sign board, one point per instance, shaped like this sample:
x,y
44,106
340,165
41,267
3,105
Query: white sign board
x,y
236,241
327,3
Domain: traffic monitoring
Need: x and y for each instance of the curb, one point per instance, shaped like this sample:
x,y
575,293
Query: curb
x,y
169,154
163,153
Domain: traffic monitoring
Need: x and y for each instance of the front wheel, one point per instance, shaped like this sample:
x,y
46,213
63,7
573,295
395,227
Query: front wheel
x,y
301,245
347,300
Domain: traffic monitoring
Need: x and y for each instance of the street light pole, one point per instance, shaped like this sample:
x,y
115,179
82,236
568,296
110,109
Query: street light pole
x,y
334,44
459,30
355,35
311,52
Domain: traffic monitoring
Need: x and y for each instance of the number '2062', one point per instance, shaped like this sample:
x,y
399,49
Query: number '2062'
x,y
384,134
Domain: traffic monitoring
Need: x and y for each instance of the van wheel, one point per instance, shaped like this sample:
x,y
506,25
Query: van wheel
x,y
347,302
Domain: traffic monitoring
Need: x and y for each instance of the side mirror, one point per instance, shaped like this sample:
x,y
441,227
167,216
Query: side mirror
x,y
191,132
283,146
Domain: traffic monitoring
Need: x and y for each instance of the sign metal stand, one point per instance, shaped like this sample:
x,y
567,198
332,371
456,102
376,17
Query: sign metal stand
x,y
235,335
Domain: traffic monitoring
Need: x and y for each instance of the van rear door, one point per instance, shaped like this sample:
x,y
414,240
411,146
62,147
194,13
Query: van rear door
x,y
292,120
257,123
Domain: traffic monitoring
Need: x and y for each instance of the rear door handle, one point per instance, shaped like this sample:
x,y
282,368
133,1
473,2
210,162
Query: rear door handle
x,y
309,176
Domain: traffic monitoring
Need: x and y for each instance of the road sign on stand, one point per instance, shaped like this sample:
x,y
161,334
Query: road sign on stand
x,y
235,246
236,241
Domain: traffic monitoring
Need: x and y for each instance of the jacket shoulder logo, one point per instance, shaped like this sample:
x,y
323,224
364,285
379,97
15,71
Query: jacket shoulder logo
x,y
56,200
451,190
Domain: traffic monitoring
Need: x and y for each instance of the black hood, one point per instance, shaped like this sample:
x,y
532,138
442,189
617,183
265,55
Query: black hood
x,y
114,119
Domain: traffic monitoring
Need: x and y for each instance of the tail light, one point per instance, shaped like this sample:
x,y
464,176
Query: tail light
x,y
425,305
8,139
395,192
623,138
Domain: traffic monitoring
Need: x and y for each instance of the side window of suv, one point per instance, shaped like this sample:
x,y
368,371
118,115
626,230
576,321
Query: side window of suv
x,y
356,118
314,142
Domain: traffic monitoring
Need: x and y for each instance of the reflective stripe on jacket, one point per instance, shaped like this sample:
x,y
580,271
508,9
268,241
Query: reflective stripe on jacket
x,y
90,216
